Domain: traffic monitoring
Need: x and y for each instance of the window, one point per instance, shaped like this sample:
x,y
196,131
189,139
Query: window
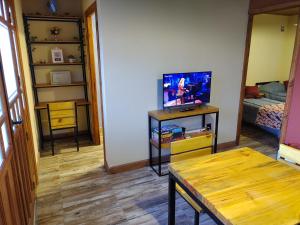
x,y
1,110
1,157
4,9
8,65
5,137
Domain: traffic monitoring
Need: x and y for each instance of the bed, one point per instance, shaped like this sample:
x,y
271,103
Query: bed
x,y
265,113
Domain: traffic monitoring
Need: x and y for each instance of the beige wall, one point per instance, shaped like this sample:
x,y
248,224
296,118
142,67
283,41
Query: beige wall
x,y
271,49
140,40
27,75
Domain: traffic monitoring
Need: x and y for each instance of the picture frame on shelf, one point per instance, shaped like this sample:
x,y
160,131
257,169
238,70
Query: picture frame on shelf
x,y
60,77
57,55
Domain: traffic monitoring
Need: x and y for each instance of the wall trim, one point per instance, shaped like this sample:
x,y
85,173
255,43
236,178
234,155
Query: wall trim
x,y
128,166
143,163
227,145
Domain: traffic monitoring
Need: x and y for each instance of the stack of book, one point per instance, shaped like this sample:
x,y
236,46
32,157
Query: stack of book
x,y
169,133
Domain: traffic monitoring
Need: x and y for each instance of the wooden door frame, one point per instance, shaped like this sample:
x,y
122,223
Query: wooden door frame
x,y
92,78
27,120
296,53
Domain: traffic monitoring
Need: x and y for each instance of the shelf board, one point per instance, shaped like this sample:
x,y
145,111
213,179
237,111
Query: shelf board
x,y
53,18
163,115
60,85
55,42
79,102
58,64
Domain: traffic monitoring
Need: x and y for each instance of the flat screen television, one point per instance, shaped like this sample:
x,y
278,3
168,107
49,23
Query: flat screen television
x,y
183,89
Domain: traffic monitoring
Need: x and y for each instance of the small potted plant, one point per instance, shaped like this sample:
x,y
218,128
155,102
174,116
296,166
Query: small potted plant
x,y
71,59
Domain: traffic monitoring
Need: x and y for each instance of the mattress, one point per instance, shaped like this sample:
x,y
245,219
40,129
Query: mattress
x,y
251,108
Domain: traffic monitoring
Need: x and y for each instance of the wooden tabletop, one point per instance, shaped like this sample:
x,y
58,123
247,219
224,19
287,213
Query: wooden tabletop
x,y
176,114
243,187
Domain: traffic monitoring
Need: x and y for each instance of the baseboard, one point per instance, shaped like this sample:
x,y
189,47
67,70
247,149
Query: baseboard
x,y
143,163
227,145
129,166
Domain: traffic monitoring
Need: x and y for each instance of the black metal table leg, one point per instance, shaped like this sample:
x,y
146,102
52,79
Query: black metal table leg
x,y
216,133
159,148
172,201
203,120
150,145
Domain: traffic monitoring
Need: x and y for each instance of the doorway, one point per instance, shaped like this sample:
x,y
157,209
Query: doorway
x,y
95,82
269,57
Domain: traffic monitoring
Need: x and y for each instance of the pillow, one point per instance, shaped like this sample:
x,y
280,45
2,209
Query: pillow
x,y
273,87
252,92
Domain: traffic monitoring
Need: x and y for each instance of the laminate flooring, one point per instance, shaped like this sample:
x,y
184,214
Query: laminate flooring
x,y
74,188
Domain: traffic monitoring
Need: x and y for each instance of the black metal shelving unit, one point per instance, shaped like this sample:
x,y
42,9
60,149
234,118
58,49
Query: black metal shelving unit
x,y
161,116
42,105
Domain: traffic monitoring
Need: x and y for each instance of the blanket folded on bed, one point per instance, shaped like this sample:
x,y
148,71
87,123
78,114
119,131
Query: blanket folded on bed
x,y
270,115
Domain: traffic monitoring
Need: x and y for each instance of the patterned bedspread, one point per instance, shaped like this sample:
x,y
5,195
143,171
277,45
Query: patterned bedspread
x,y
270,115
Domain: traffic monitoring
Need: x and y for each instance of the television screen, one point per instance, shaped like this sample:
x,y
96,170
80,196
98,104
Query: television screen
x,y
186,88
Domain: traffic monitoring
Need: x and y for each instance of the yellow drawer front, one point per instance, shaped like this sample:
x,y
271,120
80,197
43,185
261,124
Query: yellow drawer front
x,y
192,154
191,144
62,113
61,106
62,122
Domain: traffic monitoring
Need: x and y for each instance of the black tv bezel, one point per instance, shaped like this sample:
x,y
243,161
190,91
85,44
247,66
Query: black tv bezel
x,y
186,105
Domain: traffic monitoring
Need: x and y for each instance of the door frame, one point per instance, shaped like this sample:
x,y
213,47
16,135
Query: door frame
x,y
296,53
22,155
92,9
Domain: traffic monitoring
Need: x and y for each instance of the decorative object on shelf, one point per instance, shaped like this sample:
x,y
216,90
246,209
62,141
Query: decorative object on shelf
x,y
71,59
55,31
43,61
33,38
57,55
52,6
60,77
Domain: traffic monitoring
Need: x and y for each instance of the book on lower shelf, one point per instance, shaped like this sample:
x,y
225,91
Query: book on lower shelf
x,y
173,133
168,133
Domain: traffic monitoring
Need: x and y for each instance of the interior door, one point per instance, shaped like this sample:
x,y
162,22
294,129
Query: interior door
x,y
17,171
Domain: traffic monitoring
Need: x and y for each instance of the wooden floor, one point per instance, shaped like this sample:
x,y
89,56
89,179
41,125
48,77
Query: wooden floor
x,y
74,189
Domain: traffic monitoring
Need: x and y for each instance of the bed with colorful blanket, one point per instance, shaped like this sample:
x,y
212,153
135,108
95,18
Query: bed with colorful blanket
x,y
264,113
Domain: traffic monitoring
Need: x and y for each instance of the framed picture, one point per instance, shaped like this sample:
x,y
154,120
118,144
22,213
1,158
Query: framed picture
x,y
60,77
57,55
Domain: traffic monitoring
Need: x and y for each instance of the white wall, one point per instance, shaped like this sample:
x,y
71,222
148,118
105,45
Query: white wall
x,y
271,49
141,39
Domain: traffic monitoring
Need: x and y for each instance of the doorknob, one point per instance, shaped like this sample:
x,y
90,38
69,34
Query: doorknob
x,y
17,122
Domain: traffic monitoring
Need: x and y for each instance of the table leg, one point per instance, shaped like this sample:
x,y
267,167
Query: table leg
x,y
203,120
216,133
159,148
150,145
172,201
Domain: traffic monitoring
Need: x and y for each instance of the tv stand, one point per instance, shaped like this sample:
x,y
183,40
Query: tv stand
x,y
156,160
186,109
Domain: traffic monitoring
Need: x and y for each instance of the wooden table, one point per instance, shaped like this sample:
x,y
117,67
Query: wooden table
x,y
241,187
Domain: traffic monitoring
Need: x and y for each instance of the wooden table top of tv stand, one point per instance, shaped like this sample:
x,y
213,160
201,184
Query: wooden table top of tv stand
x,y
170,114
